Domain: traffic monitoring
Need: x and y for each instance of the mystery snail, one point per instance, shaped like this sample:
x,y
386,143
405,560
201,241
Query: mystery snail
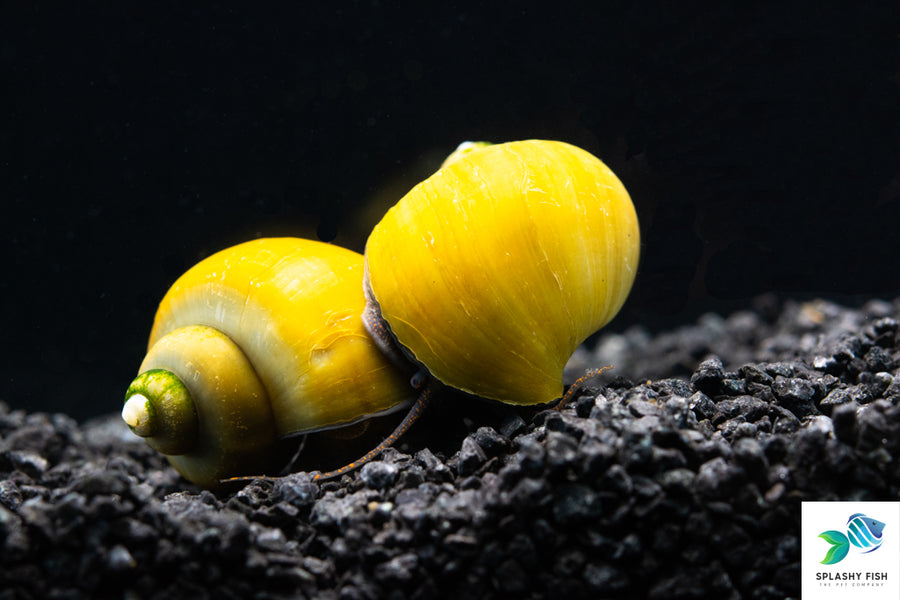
x,y
485,278
492,271
257,342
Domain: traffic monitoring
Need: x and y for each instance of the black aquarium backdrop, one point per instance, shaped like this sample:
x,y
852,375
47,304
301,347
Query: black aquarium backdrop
x,y
759,143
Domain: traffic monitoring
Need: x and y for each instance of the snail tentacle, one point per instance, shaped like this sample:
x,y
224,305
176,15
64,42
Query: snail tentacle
x,y
412,416
577,385
289,467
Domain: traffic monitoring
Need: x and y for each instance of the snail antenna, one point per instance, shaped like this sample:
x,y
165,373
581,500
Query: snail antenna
x,y
420,381
289,467
427,386
579,383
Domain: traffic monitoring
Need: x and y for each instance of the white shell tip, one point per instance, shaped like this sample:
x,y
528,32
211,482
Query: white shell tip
x,y
136,414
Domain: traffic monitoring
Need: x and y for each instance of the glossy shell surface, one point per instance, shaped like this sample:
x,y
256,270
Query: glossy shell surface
x,y
493,270
293,307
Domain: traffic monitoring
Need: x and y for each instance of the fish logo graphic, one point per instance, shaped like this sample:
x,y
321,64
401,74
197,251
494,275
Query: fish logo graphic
x,y
863,532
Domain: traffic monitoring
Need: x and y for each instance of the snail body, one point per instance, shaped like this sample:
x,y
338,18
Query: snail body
x,y
492,271
257,342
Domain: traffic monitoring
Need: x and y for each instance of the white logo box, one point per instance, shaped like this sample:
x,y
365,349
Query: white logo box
x,y
864,573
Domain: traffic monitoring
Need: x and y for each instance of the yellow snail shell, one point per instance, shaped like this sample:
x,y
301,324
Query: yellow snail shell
x,y
259,341
493,270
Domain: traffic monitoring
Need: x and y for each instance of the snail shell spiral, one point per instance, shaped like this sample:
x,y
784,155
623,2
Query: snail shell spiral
x,y
257,342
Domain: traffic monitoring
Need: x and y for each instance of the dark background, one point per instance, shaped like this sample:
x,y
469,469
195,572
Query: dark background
x,y
760,146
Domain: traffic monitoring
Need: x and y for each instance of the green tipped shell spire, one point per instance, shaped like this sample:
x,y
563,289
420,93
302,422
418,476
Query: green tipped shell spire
x,y
159,408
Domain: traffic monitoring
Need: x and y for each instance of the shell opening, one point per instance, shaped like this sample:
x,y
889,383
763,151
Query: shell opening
x,y
379,331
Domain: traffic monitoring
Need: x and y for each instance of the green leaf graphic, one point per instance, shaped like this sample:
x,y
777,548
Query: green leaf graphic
x,y
840,546
833,537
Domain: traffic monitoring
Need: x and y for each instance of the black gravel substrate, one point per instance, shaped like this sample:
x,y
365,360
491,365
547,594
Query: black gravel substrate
x,y
678,474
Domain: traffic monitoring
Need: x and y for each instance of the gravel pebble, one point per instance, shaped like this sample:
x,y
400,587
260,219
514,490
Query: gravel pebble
x,y
683,485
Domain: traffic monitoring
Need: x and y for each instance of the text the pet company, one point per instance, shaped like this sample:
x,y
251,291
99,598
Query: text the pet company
x,y
852,578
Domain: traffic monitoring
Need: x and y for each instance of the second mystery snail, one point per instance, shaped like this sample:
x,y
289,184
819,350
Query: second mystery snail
x,y
492,271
